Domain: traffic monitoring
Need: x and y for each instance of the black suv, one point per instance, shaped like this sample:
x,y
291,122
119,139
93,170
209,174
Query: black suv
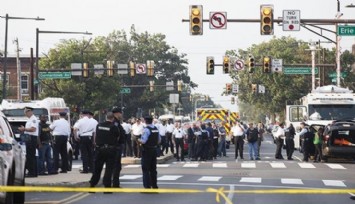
x,y
339,140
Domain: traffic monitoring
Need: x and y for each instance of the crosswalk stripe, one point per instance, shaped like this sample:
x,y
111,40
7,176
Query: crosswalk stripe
x,y
132,166
193,165
169,177
306,165
248,165
219,165
278,165
130,177
291,181
335,166
336,183
210,178
163,165
76,166
250,180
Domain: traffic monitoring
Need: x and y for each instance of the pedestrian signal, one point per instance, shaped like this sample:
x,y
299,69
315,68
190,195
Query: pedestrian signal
x,y
196,20
228,88
251,64
232,100
267,64
210,65
266,20
226,64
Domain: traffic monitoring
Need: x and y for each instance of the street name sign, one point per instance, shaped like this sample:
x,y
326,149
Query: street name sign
x,y
125,90
291,20
299,70
76,66
334,74
345,30
54,75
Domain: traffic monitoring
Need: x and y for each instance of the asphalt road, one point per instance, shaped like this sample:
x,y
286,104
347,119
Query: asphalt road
x,y
243,181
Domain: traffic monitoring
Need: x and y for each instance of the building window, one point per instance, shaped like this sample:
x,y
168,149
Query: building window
x,y
24,84
7,78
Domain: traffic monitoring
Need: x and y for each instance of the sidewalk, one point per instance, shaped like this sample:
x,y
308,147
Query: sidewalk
x,y
75,179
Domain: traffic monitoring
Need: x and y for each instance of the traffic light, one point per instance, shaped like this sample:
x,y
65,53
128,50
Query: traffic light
x,y
251,64
150,68
254,88
196,20
226,64
267,64
179,85
131,69
110,68
151,86
232,100
85,70
210,65
228,88
266,20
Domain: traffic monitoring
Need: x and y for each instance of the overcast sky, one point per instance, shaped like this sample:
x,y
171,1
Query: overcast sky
x,y
164,16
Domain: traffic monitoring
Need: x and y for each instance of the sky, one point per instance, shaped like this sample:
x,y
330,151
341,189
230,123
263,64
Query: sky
x,y
165,16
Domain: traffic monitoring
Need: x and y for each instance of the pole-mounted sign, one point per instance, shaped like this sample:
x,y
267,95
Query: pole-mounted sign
x,y
291,20
218,20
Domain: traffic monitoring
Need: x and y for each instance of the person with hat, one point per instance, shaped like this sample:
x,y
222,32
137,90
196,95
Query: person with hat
x,y
61,132
149,140
31,130
84,132
117,113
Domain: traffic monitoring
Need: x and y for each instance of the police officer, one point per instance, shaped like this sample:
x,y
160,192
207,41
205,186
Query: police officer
x,y
117,113
83,132
107,137
61,132
149,140
31,129
290,144
307,138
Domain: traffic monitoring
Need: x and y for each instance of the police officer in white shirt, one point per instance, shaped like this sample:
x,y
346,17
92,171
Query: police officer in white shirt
x,y
178,136
238,132
61,132
169,136
127,148
32,141
137,131
84,132
162,132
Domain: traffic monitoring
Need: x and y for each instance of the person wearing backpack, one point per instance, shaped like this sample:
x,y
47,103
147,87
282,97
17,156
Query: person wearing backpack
x,y
252,137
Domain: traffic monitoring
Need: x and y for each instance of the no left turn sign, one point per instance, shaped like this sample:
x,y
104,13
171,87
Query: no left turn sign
x,y
239,65
218,20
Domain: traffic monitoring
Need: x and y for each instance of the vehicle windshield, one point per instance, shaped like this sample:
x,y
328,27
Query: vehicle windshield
x,y
332,112
20,112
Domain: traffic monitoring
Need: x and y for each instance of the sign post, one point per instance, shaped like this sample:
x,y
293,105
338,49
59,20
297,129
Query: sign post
x,y
291,20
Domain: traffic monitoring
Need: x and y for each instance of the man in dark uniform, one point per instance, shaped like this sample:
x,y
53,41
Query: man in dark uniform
x,y
45,149
106,138
150,140
117,113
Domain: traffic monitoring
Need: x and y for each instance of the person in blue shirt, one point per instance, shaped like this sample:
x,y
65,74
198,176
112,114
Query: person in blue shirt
x,y
149,141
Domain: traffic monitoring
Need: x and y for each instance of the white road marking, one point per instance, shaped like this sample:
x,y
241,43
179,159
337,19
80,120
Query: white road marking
x,y
291,181
248,165
335,166
336,183
130,177
163,165
76,166
250,180
219,165
210,178
192,165
169,177
132,166
306,165
278,165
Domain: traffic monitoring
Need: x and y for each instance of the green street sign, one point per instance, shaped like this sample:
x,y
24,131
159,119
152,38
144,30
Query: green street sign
x,y
125,90
334,74
54,75
344,30
299,70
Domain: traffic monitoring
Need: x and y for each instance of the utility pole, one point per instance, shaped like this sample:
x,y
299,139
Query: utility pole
x,y
338,38
18,63
313,49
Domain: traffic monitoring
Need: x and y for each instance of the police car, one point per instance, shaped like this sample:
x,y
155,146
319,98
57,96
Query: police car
x,y
12,163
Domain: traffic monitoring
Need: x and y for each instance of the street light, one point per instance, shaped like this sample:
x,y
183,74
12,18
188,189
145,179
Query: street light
x,y
37,51
7,17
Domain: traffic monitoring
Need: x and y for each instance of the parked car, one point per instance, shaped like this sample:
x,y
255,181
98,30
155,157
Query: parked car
x,y
12,163
339,140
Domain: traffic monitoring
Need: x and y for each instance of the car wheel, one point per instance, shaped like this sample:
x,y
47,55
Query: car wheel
x,y
70,161
9,196
19,197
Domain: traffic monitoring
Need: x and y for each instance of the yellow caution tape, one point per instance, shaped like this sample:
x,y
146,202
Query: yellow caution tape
x,y
219,192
